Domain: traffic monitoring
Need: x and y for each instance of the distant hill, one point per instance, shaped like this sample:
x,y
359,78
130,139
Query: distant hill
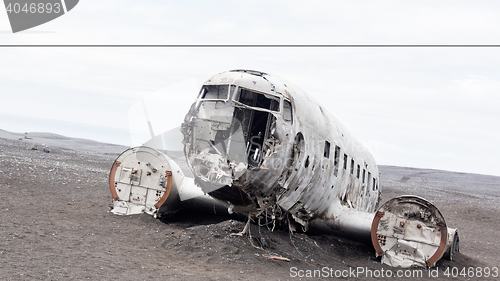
x,y
435,185
55,140
438,185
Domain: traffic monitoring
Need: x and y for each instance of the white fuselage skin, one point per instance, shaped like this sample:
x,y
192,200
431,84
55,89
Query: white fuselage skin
x,y
262,145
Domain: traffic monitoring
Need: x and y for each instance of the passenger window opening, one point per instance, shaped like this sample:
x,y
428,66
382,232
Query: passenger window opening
x,y
364,173
359,171
374,184
287,111
368,179
327,149
345,161
352,166
336,161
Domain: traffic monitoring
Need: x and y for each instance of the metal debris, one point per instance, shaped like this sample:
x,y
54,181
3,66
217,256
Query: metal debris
x,y
276,258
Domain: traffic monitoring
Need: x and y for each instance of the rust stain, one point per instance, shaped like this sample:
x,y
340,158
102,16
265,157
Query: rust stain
x,y
167,191
374,228
442,246
112,180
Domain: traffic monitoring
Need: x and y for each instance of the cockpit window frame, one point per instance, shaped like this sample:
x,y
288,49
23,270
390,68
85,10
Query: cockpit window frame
x,y
234,89
277,98
230,91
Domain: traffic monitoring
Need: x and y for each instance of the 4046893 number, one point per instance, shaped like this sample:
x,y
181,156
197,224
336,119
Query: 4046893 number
x,y
471,272
34,8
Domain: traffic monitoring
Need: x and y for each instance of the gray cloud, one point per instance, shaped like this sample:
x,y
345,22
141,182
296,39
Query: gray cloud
x,y
423,107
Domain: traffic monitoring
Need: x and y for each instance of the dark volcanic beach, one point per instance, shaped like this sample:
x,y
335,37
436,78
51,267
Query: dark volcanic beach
x,y
56,224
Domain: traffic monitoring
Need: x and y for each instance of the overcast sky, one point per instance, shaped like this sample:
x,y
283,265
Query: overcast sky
x,y
419,107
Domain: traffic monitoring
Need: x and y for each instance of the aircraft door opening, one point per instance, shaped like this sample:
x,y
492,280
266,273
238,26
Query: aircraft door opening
x,y
257,123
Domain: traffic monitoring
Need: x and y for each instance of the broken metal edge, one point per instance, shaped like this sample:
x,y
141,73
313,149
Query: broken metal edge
x,y
453,245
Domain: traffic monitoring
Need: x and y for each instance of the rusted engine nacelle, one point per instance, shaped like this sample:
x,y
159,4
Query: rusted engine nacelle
x,y
408,231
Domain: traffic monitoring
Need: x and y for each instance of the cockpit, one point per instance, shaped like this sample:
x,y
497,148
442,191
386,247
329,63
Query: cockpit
x,y
226,130
256,112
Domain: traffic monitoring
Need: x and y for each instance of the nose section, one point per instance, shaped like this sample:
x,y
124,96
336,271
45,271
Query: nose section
x,y
215,150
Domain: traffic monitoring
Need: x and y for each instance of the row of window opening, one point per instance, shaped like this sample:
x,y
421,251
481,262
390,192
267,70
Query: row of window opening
x,y
336,160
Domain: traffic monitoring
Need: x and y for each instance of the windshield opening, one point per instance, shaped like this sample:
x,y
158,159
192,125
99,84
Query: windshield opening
x,y
255,99
216,92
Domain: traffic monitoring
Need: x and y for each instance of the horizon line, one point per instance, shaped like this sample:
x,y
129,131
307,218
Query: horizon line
x,y
250,45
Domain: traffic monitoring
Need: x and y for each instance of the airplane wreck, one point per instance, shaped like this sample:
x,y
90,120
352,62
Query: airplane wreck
x,y
260,147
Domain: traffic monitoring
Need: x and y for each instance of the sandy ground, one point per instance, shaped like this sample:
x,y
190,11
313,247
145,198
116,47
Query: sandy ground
x,y
56,225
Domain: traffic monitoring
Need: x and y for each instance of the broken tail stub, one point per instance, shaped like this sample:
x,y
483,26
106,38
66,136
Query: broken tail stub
x,y
409,231
141,180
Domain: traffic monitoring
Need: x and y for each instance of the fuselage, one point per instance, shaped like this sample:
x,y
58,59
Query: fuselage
x,y
262,145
